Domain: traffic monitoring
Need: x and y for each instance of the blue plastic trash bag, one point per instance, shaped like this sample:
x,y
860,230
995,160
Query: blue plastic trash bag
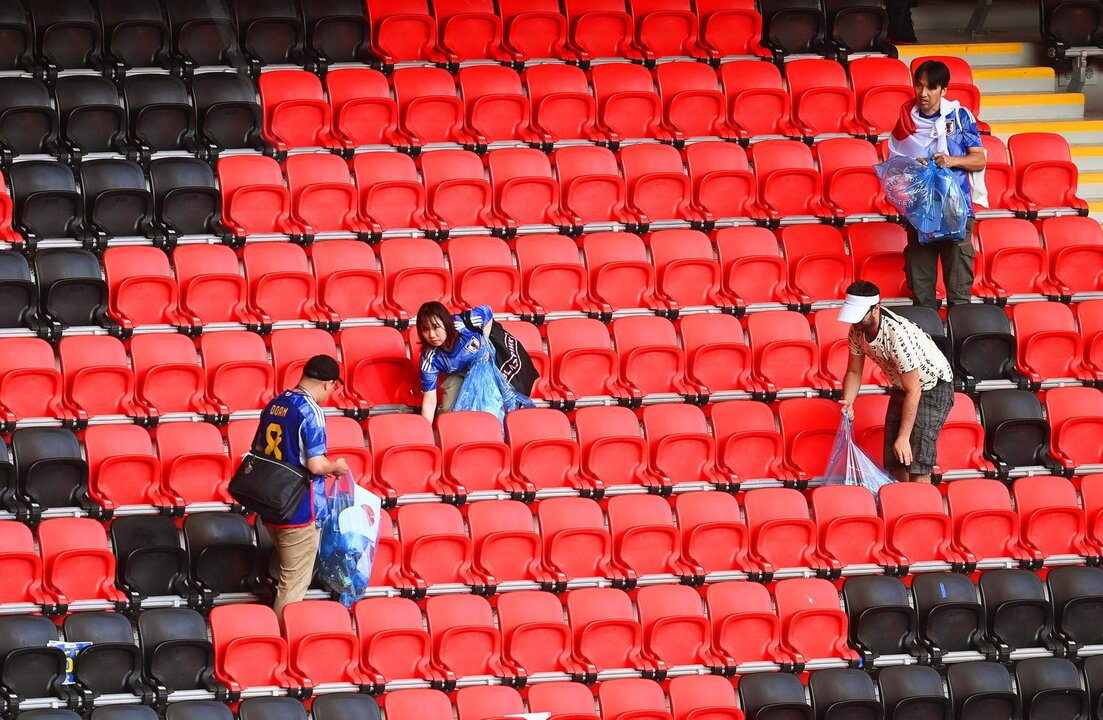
x,y
849,465
929,196
349,536
485,388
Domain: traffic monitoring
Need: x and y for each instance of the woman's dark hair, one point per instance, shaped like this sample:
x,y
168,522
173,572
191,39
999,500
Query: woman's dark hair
x,y
437,310
934,73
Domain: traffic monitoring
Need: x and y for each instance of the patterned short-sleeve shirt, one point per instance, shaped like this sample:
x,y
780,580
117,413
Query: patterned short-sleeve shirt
x,y
900,347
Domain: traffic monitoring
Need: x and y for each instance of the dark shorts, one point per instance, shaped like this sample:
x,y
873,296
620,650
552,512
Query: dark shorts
x,y
930,416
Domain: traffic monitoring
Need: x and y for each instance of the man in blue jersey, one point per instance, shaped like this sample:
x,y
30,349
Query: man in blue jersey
x,y
293,430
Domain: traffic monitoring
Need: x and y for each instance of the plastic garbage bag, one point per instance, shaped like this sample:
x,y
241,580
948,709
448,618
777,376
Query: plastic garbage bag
x,y
485,388
349,536
929,196
849,465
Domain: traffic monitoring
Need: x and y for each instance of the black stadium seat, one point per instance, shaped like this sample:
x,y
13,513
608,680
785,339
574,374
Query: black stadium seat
x,y
843,694
271,31
160,116
51,471
911,692
198,710
150,561
881,619
1071,24
793,26
47,203
981,691
228,116
221,552
1017,611
186,196
70,287
67,35
28,122
931,323
92,114
858,26
18,292
124,712
48,715
271,709
116,200
16,38
343,706
1077,597
28,667
1050,689
135,34
1015,430
773,696
203,33
951,617
337,31
176,652
112,663
984,348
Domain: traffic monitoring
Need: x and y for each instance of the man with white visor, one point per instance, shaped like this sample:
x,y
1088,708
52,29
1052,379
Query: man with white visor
x,y
922,381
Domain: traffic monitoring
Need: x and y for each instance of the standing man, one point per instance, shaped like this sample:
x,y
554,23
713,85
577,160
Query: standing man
x,y
922,380
293,430
932,126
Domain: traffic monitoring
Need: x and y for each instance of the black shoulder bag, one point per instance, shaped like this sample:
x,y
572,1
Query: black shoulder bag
x,y
510,356
270,488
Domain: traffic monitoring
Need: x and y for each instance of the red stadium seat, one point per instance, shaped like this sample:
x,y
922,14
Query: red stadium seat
x,y
483,274
249,651
394,644
745,626
1075,249
645,538
1089,316
21,566
363,111
143,291
592,189
651,360
731,27
621,276
833,339
788,183
564,700
999,177
918,526
323,197
323,647
576,541
692,101
475,458
713,536
534,29
850,529
407,459
849,181
296,113
658,188
415,273
536,635
601,29
430,110
391,195
469,30
459,194
961,444
1046,175
703,696
808,426
553,277
881,85
813,623
169,375
98,378
632,699
628,106
1091,495
487,702
878,252
1014,260
349,282
961,86
435,546
984,523
717,355
281,284
1076,417
77,561
194,464
818,264
562,106
292,348
1050,516
423,704
757,101
123,469
723,184
606,632
822,100
211,286
675,626
667,28
254,197
785,356
869,424
465,638
239,375
7,234
545,454
403,31
782,533
525,191
748,443
345,439
754,269
497,109
583,362
30,383
614,451
507,547
1050,345
681,447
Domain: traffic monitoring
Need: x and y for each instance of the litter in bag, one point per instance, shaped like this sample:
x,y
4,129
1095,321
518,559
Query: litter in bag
x,y
485,388
929,196
849,465
349,536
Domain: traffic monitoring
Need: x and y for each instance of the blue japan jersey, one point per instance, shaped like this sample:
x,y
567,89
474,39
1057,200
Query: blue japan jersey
x,y
293,430
438,360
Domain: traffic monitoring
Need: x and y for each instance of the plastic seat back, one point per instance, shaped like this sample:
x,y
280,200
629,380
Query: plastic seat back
x,y
576,541
28,125
295,112
485,702
322,644
255,199
29,667
249,651
632,698
222,551
407,458
882,620
92,115
822,100
605,628
343,705
161,117
469,29
50,469
115,665
228,115
150,559
45,198
757,98
465,637
203,33
881,86
271,32
628,105
1014,432
175,648
773,695
78,561
813,625
238,372
16,38
983,347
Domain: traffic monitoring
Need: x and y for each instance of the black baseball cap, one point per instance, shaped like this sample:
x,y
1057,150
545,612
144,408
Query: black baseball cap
x,y
322,367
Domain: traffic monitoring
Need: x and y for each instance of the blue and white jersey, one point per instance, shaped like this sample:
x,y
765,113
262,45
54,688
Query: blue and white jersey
x,y
438,360
293,430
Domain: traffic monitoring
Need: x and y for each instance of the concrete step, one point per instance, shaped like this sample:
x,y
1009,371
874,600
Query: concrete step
x,y
980,55
1088,158
1090,186
1036,106
1095,211
996,81
1077,132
